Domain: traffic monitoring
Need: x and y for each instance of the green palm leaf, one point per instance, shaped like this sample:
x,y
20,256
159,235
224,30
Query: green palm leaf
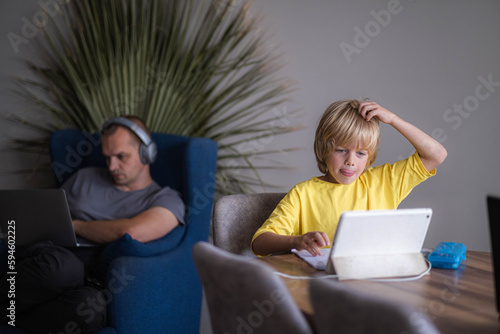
x,y
196,68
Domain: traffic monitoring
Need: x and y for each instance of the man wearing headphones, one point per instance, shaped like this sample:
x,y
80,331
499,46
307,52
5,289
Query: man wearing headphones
x,y
107,204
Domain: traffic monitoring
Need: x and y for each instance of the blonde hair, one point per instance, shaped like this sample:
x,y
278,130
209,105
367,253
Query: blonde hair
x,y
341,124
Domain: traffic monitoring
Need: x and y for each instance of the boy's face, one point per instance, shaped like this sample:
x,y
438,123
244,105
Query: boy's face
x,y
346,163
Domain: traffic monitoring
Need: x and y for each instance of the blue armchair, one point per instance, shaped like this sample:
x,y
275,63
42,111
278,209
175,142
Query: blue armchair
x,y
153,287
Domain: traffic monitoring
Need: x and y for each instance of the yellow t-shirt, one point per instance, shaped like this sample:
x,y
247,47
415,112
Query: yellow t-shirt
x,y
316,205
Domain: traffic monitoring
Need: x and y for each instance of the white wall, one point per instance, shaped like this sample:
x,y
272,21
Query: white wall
x,y
428,57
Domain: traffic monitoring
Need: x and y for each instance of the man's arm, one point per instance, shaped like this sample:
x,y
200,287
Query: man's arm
x,y
149,225
431,152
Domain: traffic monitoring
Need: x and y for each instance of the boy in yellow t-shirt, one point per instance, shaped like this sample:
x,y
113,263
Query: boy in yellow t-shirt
x,y
345,146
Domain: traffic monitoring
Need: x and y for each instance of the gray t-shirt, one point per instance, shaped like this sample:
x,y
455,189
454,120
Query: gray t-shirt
x,y
92,195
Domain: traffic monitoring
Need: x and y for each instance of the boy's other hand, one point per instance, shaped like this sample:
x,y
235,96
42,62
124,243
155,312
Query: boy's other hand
x,y
370,109
312,242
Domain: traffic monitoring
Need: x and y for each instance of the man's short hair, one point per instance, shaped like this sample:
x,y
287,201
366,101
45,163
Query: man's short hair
x,y
137,120
341,124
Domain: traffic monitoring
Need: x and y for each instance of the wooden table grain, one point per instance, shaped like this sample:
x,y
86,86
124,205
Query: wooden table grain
x,y
457,301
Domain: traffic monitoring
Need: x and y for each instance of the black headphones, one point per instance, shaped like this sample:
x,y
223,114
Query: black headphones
x,y
147,149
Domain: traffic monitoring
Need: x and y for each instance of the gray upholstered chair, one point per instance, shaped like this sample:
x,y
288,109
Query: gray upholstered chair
x,y
237,217
244,295
341,309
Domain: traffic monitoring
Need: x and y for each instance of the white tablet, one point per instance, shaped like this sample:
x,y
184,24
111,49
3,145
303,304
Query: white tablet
x,y
376,244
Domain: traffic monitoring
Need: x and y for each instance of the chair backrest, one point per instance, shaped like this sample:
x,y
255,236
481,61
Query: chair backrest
x,y
341,309
244,295
237,217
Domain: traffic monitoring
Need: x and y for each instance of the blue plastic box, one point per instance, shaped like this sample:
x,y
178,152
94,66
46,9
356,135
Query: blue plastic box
x,y
448,255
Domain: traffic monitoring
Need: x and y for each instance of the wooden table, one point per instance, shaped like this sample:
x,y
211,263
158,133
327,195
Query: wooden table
x,y
458,301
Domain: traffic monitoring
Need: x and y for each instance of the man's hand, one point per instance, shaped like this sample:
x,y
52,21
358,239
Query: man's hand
x,y
312,242
77,226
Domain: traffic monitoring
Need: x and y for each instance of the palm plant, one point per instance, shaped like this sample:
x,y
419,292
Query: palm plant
x,y
189,67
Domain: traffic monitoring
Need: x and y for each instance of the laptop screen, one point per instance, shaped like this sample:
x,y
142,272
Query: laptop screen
x,y
36,215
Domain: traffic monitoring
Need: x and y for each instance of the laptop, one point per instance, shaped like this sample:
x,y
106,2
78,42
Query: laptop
x,y
36,215
493,204
375,244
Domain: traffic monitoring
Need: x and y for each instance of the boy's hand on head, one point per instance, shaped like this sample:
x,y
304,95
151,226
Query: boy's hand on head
x,y
370,109
312,242
430,151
